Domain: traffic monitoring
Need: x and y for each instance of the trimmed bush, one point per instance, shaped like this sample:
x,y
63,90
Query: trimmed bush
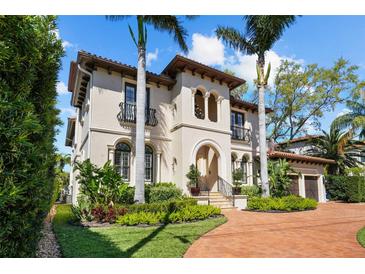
x,y
125,194
286,203
251,191
346,188
187,214
166,206
163,192
193,213
30,58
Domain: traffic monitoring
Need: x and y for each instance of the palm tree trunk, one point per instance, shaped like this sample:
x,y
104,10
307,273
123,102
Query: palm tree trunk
x,y
140,126
262,129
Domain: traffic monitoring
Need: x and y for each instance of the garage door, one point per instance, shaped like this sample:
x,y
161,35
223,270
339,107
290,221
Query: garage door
x,y
311,187
294,187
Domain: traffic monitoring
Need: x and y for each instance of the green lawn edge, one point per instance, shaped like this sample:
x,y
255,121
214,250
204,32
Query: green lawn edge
x,y
169,241
361,237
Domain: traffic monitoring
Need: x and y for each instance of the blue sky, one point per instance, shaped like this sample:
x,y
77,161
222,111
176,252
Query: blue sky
x,y
313,39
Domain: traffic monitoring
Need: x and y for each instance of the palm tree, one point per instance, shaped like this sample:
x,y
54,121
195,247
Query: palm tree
x,y
338,146
355,119
261,33
173,26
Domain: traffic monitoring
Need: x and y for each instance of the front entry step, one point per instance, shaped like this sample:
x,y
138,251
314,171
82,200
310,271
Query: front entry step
x,y
215,199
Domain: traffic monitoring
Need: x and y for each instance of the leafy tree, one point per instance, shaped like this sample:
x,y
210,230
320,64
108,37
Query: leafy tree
x,y
237,176
61,176
338,146
302,94
279,177
174,27
240,91
30,58
261,33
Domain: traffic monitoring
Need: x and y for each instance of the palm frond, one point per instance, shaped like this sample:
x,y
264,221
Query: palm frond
x,y
264,30
235,39
171,24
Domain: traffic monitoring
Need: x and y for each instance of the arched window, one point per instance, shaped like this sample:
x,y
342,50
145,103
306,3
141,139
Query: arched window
x,y
122,158
244,167
199,105
148,164
212,108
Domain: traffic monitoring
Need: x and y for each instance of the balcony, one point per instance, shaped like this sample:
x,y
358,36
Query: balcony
x,y
128,112
241,134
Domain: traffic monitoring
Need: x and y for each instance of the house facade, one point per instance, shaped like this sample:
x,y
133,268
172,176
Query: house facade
x,y
190,119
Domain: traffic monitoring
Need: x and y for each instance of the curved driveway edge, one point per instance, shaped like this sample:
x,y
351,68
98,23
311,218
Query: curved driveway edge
x,y
328,231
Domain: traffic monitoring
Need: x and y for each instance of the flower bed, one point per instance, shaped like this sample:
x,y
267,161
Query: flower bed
x,y
282,204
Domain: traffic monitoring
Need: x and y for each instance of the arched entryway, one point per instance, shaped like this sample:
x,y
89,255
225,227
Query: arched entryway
x,y
207,161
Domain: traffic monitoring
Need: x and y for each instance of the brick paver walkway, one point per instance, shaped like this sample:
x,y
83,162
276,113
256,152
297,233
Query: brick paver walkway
x,y
328,231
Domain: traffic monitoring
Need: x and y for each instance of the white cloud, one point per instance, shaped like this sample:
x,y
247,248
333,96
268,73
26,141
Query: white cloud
x,y
151,56
245,65
207,50
343,112
69,111
65,44
61,88
211,51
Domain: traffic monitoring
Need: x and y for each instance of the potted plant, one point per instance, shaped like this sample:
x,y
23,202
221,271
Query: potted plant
x,y
193,175
237,176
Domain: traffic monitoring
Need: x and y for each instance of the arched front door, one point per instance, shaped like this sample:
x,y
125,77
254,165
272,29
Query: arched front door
x,y
207,159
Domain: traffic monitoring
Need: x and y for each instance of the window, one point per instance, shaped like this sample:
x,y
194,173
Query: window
x,y
212,109
148,164
237,119
122,157
199,105
244,164
131,95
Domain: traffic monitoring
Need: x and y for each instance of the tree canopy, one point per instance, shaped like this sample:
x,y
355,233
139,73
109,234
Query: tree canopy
x,y
302,94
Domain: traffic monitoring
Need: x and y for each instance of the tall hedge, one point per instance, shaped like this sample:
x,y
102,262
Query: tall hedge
x,y
30,58
346,188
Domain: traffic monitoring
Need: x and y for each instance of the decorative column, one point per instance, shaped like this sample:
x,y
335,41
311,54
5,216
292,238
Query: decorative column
x,y
206,97
158,166
219,103
193,91
301,185
111,151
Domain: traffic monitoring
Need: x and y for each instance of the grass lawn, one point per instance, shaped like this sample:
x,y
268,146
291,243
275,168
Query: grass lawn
x,y
361,236
127,242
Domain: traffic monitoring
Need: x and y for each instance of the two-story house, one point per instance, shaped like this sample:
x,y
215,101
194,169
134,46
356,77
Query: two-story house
x,y
190,119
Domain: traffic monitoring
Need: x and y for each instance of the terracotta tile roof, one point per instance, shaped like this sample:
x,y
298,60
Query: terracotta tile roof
x,y
300,139
246,105
298,157
180,63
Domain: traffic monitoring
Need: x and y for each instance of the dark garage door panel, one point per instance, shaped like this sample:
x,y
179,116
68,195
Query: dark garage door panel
x,y
294,187
311,187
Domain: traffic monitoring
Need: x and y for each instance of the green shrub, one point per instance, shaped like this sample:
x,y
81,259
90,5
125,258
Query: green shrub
x,y
163,192
286,203
125,194
100,185
150,218
251,191
193,213
82,211
186,214
346,188
355,189
165,206
108,214
279,177
30,58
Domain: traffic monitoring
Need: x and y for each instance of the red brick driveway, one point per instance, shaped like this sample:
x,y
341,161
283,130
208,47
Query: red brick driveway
x,y
328,231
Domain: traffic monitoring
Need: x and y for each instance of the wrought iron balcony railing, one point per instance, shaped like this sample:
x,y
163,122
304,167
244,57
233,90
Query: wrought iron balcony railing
x,y
240,133
128,114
